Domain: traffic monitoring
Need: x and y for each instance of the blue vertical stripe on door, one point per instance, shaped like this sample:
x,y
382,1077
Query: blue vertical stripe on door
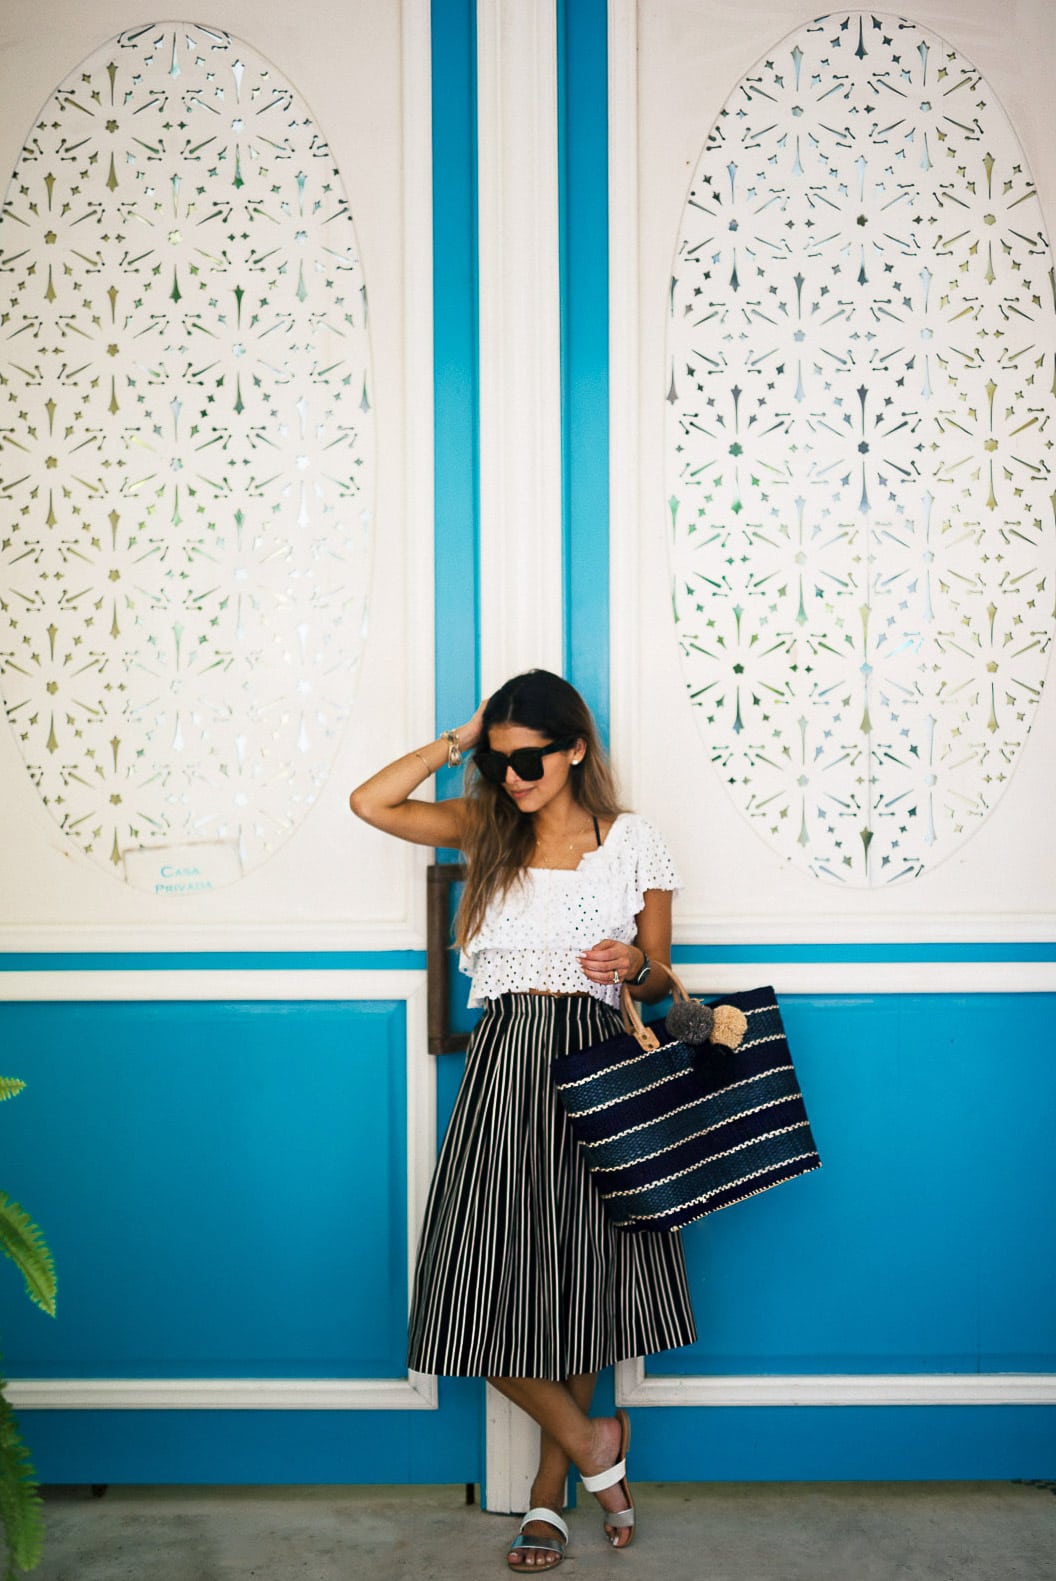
x,y
455,379
582,65
456,403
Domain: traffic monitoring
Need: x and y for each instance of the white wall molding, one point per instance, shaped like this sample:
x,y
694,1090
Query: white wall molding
x,y
195,937
177,985
511,1454
633,1387
700,977
521,584
414,1391
520,321
715,927
871,977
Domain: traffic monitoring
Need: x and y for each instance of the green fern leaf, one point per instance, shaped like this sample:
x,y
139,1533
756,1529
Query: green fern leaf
x,y
21,1240
21,1512
10,1087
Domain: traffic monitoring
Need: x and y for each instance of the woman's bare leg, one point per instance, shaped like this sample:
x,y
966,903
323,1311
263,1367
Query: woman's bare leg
x,y
569,1437
554,1464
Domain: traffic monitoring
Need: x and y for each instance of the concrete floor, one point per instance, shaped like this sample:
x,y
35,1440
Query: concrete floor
x,y
986,1531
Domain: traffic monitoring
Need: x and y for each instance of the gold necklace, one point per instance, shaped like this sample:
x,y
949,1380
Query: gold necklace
x,y
563,844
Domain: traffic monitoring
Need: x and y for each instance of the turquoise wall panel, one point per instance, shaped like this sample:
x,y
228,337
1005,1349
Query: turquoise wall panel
x,y
223,1187
915,1247
262,1446
846,1443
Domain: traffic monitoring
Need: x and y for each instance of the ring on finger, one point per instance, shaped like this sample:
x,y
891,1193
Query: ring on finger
x,y
616,976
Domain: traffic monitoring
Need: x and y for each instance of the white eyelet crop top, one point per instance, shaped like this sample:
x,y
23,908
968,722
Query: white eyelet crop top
x,y
533,936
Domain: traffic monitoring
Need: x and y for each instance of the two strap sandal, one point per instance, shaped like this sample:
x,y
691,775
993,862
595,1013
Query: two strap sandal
x,y
525,1543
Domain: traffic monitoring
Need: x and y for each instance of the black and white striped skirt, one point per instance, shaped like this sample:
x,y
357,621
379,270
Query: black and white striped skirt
x,y
519,1272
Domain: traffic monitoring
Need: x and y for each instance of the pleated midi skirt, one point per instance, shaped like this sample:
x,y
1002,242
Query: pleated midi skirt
x,y
519,1272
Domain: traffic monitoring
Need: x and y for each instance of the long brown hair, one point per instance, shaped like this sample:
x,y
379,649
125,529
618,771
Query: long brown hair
x,y
498,839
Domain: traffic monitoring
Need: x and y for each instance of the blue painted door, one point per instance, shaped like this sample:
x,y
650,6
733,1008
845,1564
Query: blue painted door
x,y
893,1314
227,1147
224,1189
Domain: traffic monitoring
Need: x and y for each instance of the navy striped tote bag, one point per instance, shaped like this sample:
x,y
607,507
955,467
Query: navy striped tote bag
x,y
674,1129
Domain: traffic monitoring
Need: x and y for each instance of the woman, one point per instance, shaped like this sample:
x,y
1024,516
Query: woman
x,y
520,1277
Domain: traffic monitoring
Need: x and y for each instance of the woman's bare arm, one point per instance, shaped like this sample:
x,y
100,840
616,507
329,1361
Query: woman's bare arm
x,y
653,939
386,800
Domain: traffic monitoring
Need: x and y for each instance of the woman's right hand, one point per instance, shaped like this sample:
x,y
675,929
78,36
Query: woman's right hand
x,y
470,733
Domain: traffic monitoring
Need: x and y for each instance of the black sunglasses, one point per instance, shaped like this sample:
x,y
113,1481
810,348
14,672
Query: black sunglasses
x,y
526,762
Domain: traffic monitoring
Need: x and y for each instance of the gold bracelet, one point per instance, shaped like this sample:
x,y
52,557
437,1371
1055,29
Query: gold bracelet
x,y
421,760
454,748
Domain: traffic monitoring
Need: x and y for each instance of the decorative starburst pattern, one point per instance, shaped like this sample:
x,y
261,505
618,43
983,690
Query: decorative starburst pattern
x,y
859,448
186,432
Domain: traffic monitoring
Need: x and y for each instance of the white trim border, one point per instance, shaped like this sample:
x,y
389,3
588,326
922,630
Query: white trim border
x,y
254,984
521,591
173,937
866,978
859,978
415,1391
521,601
861,932
634,1387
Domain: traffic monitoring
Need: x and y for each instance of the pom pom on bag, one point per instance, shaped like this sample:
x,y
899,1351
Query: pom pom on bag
x,y
690,1021
674,1125
729,1026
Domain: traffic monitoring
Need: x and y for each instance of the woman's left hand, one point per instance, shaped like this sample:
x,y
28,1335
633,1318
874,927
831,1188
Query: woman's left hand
x,y
608,957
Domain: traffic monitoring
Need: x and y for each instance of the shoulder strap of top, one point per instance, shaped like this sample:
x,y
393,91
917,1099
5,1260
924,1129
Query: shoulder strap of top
x,y
597,831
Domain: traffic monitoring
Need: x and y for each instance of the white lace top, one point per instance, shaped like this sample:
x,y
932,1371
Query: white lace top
x,y
532,937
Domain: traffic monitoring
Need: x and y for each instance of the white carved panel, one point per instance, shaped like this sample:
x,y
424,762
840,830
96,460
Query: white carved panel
x,y
187,513
676,71
194,567
861,353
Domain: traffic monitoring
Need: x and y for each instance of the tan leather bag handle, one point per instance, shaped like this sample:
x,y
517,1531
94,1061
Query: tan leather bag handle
x,y
727,1028
632,1016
